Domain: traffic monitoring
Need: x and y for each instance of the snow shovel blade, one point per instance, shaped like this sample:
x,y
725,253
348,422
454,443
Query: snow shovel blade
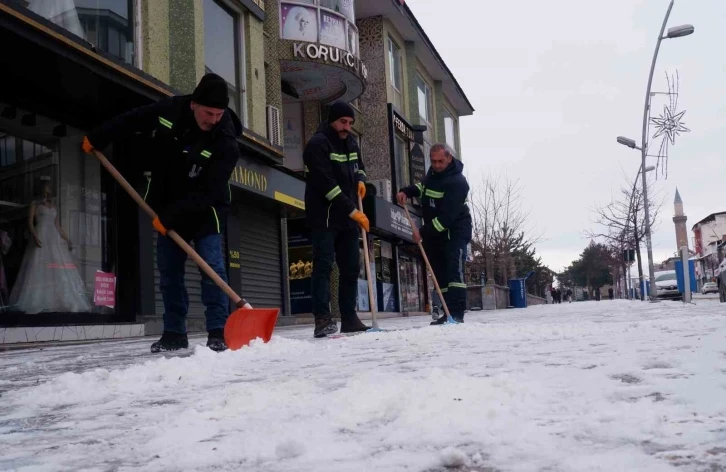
x,y
246,324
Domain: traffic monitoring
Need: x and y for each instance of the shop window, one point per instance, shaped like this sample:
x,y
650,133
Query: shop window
x,y
107,24
222,50
330,22
451,127
54,226
395,79
411,278
403,163
425,113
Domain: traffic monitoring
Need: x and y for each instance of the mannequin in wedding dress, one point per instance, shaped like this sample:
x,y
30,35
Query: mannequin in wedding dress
x,y
48,280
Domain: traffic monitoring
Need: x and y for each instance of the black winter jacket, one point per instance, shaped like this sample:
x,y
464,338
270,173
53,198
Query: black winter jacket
x,y
190,169
334,167
443,202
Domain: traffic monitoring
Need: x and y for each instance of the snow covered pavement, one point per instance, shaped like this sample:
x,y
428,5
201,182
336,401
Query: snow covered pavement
x,y
572,387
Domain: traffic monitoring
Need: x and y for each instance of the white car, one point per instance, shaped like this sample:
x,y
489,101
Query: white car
x,y
666,284
709,287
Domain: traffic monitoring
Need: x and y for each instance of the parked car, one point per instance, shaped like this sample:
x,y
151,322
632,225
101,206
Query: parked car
x,y
666,284
709,287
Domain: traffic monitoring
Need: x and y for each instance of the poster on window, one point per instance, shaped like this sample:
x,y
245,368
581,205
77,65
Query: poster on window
x,y
299,23
104,293
352,41
332,30
417,162
292,131
344,7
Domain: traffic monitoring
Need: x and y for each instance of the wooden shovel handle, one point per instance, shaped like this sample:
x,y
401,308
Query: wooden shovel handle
x,y
371,299
428,265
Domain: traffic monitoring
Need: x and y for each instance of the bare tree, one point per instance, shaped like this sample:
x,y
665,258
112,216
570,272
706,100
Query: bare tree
x,y
622,221
499,226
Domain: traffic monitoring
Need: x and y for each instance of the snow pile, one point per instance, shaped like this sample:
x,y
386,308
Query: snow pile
x,y
583,386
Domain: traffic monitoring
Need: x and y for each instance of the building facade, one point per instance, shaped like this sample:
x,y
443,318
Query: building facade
x,y
75,64
709,235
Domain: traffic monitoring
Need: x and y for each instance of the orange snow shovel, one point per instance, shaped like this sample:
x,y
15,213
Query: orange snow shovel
x,y
245,323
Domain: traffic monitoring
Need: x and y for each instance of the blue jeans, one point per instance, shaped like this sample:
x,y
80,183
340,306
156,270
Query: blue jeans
x,y
170,259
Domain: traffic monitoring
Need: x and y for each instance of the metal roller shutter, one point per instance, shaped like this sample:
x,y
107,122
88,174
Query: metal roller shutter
x,y
192,280
260,246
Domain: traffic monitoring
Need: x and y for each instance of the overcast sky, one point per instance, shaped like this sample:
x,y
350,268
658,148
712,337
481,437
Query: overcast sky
x,y
554,83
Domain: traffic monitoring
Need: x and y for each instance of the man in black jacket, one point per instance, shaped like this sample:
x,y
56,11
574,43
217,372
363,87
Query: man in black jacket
x,y
192,152
335,178
446,231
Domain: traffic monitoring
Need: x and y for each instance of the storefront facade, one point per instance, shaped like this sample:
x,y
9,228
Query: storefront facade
x,y
71,238
77,255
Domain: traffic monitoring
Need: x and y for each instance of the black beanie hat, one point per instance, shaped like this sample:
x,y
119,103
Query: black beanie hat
x,y
211,92
340,109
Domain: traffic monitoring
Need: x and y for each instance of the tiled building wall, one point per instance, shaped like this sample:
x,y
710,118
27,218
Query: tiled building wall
x,y
374,103
155,38
272,55
256,76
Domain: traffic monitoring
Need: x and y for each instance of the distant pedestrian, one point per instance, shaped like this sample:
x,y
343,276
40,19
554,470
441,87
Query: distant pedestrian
x,y
569,295
611,294
597,294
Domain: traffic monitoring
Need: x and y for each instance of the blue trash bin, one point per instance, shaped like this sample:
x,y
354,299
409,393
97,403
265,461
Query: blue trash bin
x,y
517,293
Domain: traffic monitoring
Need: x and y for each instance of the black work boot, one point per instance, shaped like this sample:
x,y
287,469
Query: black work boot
x,y
215,340
324,327
353,325
170,341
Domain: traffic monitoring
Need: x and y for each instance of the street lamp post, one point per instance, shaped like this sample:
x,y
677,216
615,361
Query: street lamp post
x,y
675,32
628,142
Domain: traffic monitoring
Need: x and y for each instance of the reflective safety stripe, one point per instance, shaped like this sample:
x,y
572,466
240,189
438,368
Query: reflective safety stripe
x,y
434,193
420,189
353,156
444,290
148,186
456,285
338,157
165,122
306,169
327,221
229,189
334,193
438,225
362,172
215,218
206,153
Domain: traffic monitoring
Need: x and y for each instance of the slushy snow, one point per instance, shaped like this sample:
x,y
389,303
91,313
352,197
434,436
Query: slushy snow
x,y
588,386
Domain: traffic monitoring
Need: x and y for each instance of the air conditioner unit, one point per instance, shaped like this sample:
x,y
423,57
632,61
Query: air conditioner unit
x,y
274,125
383,188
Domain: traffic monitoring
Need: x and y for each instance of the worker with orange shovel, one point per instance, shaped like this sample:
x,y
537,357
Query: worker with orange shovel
x,y
192,151
447,228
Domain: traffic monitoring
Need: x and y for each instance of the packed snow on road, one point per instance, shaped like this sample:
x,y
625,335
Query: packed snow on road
x,y
610,385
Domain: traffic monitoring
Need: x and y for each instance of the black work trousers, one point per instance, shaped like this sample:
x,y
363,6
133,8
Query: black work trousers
x,y
339,246
447,258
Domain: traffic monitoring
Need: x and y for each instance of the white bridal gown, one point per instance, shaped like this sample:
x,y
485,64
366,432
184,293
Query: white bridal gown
x,y
48,280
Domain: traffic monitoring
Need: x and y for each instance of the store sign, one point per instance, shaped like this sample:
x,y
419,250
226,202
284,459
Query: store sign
x,y
392,219
269,182
402,128
329,54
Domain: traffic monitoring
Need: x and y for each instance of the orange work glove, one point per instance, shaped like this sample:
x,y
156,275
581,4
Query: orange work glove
x,y
158,226
87,146
360,218
361,190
